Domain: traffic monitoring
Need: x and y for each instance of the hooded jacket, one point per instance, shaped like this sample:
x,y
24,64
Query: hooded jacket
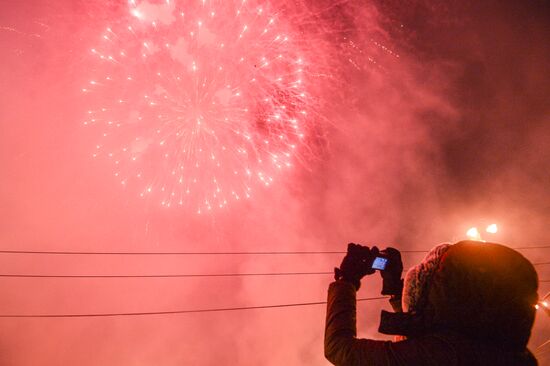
x,y
470,303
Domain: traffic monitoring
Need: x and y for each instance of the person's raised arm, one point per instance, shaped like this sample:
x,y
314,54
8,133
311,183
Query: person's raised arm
x,y
341,345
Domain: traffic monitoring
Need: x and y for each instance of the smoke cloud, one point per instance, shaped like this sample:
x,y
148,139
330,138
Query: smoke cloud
x,y
431,117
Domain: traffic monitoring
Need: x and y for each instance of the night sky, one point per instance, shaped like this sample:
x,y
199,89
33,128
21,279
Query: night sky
x,y
424,119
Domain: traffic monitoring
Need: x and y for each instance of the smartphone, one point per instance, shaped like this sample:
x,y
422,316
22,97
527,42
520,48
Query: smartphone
x,y
380,263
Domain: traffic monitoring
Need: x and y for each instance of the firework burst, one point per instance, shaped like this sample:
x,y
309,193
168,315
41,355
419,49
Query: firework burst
x,y
199,103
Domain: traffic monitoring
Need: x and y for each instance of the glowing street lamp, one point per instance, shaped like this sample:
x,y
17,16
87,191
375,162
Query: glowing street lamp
x,y
492,229
473,234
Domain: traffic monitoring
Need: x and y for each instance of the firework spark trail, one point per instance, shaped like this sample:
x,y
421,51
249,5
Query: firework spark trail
x,y
200,102
14,30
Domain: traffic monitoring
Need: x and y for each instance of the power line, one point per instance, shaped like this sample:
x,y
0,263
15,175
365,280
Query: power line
x,y
167,275
174,312
183,253
536,247
199,253
211,253
175,275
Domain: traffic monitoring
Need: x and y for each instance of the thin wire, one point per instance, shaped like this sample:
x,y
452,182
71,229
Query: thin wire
x,y
176,275
183,253
173,312
537,247
184,275
541,352
166,275
542,345
210,253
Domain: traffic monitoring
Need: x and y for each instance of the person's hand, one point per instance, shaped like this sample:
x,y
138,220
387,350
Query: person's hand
x,y
392,284
356,264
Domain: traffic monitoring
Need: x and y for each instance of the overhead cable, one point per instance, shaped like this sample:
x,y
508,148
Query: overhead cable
x,y
167,275
172,275
211,253
175,312
180,253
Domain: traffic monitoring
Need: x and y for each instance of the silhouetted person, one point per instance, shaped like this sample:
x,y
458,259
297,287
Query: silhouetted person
x,y
467,304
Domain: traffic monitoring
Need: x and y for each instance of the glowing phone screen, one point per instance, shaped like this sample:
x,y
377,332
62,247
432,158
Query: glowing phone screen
x,y
379,263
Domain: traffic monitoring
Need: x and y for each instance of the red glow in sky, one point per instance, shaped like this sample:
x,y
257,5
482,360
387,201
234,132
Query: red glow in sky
x,y
422,119
199,102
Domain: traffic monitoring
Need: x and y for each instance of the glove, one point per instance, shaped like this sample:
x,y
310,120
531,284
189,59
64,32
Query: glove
x,y
392,284
356,264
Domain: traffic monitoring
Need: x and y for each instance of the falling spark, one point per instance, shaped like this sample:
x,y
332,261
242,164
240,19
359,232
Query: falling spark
x,y
201,107
15,30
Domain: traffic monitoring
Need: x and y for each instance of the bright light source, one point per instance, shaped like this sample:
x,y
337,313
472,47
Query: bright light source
x,y
473,234
493,229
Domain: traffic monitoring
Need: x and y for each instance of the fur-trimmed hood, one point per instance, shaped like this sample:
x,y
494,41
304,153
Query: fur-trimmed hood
x,y
482,291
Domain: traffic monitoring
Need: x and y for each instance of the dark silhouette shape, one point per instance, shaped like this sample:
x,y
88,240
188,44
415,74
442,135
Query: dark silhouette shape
x,y
471,303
